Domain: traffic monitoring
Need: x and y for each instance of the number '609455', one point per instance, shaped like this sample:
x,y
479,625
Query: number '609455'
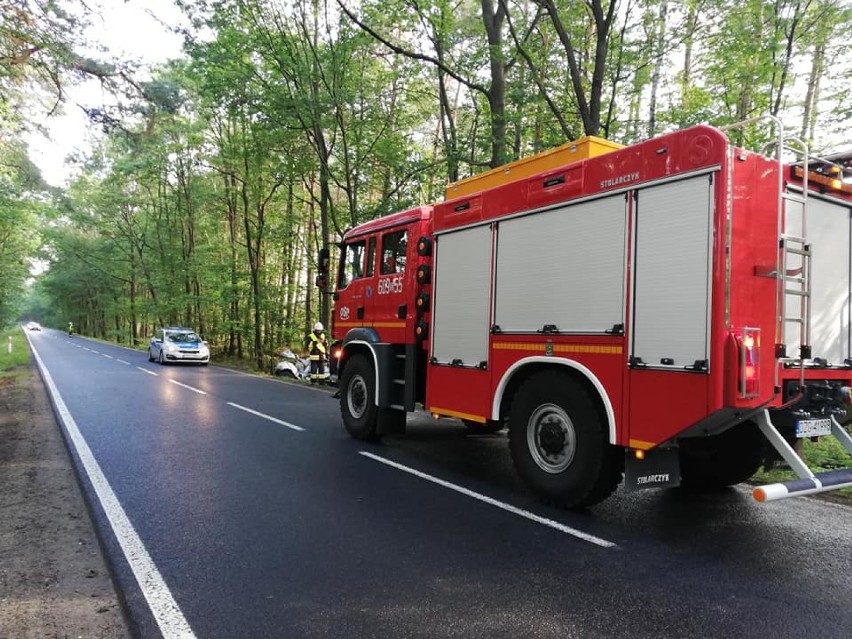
x,y
390,285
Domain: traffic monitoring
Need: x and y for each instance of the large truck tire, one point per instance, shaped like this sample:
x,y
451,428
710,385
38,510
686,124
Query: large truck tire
x,y
358,398
560,443
722,460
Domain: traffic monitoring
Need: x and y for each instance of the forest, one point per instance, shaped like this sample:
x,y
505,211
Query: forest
x,y
219,175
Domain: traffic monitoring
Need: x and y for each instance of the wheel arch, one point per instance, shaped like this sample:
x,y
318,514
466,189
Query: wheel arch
x,y
351,348
524,368
366,341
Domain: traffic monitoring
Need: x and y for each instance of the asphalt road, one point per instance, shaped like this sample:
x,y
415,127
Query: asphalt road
x,y
236,506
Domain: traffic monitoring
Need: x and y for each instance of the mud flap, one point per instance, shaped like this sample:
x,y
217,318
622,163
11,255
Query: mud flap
x,y
390,421
660,468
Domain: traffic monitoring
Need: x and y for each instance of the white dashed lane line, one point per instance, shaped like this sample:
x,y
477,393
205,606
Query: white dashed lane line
x,y
270,418
550,523
107,356
579,534
194,390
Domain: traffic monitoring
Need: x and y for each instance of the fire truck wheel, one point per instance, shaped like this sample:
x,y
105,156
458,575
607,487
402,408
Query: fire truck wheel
x,y
477,428
357,398
559,442
722,460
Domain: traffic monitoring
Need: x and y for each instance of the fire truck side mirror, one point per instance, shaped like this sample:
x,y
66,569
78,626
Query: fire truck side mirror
x,y
323,264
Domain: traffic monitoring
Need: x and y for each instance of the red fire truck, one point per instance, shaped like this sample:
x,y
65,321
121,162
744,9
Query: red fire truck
x,y
669,312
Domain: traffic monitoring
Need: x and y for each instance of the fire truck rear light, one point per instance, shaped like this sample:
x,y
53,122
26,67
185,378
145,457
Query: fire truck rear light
x,y
424,274
639,454
748,369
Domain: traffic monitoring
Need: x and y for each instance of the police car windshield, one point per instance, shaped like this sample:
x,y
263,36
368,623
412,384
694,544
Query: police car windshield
x,y
186,336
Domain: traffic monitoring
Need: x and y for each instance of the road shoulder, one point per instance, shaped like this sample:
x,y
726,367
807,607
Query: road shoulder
x,y
54,581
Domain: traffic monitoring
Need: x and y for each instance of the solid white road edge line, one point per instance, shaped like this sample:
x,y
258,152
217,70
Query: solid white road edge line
x,y
145,370
167,613
499,504
272,419
194,390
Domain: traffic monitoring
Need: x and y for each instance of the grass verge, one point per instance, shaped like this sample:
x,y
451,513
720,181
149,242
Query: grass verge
x,y
822,455
14,354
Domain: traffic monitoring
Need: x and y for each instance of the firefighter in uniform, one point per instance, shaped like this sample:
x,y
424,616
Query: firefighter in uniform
x,y
318,353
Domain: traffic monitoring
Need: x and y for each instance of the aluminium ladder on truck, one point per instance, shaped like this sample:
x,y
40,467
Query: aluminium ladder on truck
x,y
792,271
793,307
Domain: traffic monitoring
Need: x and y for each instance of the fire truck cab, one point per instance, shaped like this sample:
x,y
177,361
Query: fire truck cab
x,y
671,310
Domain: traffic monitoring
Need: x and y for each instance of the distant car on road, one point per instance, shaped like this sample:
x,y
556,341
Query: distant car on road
x,y
178,344
33,326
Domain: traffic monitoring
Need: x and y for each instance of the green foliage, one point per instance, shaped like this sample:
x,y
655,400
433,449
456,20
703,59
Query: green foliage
x,y
827,454
19,354
289,122
822,455
18,231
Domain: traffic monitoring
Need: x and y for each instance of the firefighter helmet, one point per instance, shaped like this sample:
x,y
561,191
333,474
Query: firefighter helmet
x,y
318,326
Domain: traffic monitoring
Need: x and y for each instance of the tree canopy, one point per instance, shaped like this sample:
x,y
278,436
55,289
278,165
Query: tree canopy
x,y
288,121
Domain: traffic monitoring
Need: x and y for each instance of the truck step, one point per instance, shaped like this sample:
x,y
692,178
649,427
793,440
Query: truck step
x,y
819,483
808,483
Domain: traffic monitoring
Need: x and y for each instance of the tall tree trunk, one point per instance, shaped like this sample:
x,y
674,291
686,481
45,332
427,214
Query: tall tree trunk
x,y
688,43
493,20
811,112
659,52
590,104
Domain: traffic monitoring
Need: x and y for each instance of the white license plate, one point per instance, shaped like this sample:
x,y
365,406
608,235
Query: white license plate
x,y
813,427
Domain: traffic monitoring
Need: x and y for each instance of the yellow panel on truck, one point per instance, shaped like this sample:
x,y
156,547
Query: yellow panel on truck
x,y
582,149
